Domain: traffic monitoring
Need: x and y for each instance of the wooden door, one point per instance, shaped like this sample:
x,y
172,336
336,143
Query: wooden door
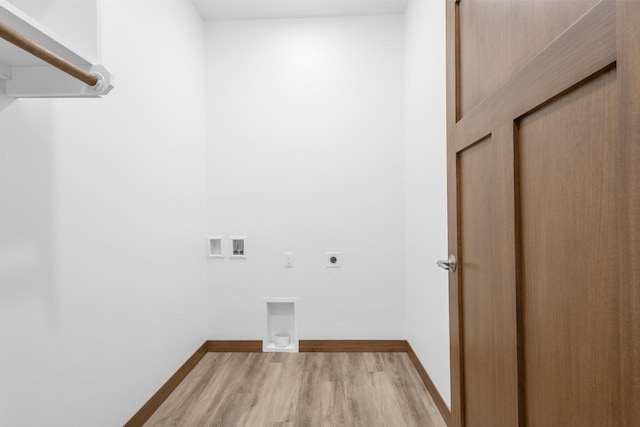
x,y
543,105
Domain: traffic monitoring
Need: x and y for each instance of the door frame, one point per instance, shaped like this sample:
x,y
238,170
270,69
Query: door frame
x,y
452,92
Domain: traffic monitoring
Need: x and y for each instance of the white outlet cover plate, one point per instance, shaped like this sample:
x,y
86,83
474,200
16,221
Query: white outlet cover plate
x,y
338,257
288,259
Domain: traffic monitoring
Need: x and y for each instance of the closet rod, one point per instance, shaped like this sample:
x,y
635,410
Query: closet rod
x,y
24,43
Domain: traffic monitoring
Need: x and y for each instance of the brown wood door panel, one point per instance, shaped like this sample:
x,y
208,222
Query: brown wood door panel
x,y
628,66
544,213
530,26
487,274
584,49
568,181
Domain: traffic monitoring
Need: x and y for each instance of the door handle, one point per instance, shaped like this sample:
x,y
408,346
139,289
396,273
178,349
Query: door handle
x,y
449,264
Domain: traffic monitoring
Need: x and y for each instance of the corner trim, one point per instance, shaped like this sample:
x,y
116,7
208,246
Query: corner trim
x,y
144,413
433,391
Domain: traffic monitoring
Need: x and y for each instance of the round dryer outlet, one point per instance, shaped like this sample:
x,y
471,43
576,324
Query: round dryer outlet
x,y
333,259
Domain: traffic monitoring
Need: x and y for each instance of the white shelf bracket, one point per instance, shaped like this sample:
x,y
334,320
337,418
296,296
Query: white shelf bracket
x,y
43,81
27,46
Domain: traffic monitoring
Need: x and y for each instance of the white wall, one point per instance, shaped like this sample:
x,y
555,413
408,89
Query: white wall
x,y
102,213
76,21
305,155
426,188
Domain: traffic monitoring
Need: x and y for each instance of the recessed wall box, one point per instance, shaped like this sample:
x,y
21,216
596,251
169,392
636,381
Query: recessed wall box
x,y
238,247
281,325
215,247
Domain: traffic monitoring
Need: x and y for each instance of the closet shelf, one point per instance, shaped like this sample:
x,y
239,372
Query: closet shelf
x,y
30,77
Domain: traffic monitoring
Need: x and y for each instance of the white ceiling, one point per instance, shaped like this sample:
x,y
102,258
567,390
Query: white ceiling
x,y
260,9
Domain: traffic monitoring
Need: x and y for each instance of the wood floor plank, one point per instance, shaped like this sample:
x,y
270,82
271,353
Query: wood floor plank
x,y
300,390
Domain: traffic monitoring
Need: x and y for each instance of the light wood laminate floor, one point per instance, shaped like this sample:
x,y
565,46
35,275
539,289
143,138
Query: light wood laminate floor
x,y
300,389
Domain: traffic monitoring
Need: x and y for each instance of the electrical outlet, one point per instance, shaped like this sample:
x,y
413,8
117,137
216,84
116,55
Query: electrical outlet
x,y
288,259
333,259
